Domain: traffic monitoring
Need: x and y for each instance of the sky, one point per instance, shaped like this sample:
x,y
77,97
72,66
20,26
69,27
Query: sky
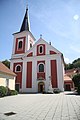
x,y
57,20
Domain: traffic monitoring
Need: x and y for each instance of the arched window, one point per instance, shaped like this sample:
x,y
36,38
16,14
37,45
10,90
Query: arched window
x,y
18,68
30,45
40,49
41,67
20,44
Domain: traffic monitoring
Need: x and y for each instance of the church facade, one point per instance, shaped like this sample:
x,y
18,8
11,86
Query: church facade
x,y
35,63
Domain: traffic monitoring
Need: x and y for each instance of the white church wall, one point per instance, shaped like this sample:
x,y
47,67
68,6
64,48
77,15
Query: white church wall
x,y
48,74
60,73
35,82
34,60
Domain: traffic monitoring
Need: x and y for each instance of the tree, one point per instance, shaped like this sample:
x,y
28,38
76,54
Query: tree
x,y
6,63
77,60
69,66
76,80
77,64
74,64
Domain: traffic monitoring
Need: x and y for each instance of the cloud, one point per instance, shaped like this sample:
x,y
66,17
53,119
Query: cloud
x,y
56,27
76,17
67,60
75,48
54,22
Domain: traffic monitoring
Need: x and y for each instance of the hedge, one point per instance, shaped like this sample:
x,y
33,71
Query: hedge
x,y
78,89
5,91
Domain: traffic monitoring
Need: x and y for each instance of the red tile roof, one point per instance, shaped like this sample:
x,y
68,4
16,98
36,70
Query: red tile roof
x,y
67,78
6,70
72,72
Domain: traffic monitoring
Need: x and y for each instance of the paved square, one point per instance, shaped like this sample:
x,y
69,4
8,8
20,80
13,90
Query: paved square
x,y
41,107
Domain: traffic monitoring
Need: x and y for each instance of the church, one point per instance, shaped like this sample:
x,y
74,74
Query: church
x,y
35,63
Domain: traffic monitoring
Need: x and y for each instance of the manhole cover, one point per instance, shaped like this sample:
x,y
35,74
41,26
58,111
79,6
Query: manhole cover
x,y
9,113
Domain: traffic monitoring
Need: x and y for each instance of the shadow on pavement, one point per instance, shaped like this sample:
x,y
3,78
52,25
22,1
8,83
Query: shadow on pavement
x,y
71,93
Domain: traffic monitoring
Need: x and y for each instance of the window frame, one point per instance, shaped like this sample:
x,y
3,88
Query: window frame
x,y
19,40
38,67
30,45
16,68
20,45
42,49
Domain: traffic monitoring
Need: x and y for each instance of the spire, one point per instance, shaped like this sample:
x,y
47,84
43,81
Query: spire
x,y
25,24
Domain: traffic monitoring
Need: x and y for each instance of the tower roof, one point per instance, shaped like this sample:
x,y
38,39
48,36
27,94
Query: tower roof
x,y
25,24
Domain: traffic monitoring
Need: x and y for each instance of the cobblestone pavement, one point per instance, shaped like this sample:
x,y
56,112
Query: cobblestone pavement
x,y
61,106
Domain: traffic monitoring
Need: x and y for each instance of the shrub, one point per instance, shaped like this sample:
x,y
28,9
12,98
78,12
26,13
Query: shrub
x,y
78,89
8,91
56,90
3,91
76,80
13,92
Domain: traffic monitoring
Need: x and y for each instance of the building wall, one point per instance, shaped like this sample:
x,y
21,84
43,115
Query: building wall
x,y
3,78
47,57
69,82
19,74
35,82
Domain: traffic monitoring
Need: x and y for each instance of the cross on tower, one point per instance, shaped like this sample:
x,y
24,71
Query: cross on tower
x,y
40,35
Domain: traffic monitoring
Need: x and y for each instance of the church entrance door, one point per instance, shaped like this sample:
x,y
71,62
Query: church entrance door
x,y
40,87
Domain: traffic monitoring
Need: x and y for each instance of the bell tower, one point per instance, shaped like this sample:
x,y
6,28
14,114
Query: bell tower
x,y
23,40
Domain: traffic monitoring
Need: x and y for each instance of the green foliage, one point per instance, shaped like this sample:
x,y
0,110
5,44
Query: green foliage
x,y
77,60
8,91
77,64
78,89
74,64
69,66
11,92
6,63
14,92
3,91
56,90
76,80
